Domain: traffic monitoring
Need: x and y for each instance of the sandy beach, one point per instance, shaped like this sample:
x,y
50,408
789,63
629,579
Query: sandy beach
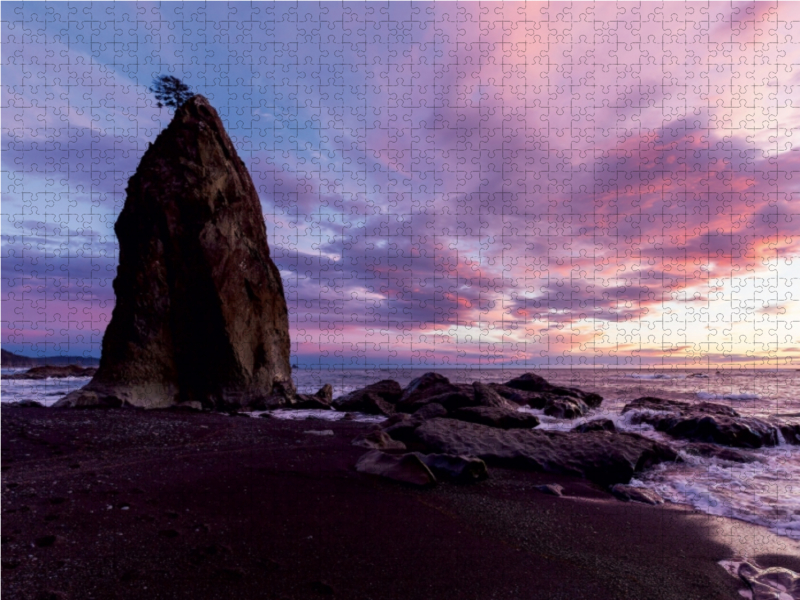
x,y
168,504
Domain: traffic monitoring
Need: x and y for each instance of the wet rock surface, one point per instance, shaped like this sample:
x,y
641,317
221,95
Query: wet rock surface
x,y
376,399
602,457
703,422
596,425
200,313
404,468
458,469
321,400
378,440
719,452
495,416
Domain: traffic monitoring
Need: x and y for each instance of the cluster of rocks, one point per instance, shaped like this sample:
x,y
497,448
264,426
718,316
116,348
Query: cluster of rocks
x,y
709,423
440,430
432,421
489,404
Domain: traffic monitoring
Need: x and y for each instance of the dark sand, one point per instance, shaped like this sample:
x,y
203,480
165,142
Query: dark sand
x,y
135,504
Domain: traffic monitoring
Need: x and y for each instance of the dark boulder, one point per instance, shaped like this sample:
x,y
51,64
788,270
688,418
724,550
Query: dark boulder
x,y
662,405
369,403
740,432
487,396
596,425
449,400
378,440
720,452
26,404
603,457
703,422
529,382
376,399
308,402
320,400
431,411
516,396
435,388
538,392
401,427
325,393
458,469
200,313
551,489
565,408
790,432
496,416
422,389
404,468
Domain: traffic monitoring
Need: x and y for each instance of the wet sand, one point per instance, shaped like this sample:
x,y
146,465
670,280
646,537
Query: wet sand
x,y
160,504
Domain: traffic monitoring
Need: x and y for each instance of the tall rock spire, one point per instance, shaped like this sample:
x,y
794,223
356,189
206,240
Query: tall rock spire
x,y
200,313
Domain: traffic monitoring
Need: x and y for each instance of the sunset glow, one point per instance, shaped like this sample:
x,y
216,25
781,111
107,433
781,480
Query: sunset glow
x,y
518,184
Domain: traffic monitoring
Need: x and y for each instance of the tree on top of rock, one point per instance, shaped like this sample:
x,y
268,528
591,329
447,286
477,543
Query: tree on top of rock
x,y
170,91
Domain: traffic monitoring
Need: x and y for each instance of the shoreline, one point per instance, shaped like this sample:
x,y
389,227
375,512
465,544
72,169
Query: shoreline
x,y
106,503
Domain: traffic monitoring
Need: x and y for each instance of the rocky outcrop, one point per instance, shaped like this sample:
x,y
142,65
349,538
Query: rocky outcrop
x,y
433,388
559,402
375,399
719,452
458,469
596,425
602,457
378,440
422,389
431,411
703,422
495,416
200,314
539,389
53,372
321,400
404,468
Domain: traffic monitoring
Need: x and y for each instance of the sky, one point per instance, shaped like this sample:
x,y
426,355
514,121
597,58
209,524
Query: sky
x,y
450,184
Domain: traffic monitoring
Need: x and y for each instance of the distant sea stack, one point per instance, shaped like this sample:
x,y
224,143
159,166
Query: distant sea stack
x,y
200,315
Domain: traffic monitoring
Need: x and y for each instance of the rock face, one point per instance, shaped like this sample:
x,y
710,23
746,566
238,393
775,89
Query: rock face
x,y
405,468
703,422
600,456
496,416
560,402
200,313
375,399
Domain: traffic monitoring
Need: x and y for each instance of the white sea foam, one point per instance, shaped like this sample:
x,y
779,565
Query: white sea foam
x,y
765,492
655,376
289,414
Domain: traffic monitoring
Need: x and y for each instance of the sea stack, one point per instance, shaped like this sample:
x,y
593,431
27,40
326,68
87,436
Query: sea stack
x,y
200,315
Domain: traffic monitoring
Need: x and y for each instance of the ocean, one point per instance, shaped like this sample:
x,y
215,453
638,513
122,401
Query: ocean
x,y
765,492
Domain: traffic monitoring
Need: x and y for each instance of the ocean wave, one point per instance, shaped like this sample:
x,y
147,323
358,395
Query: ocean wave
x,y
760,492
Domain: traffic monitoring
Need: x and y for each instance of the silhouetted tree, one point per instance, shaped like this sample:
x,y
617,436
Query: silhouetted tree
x,y
170,91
